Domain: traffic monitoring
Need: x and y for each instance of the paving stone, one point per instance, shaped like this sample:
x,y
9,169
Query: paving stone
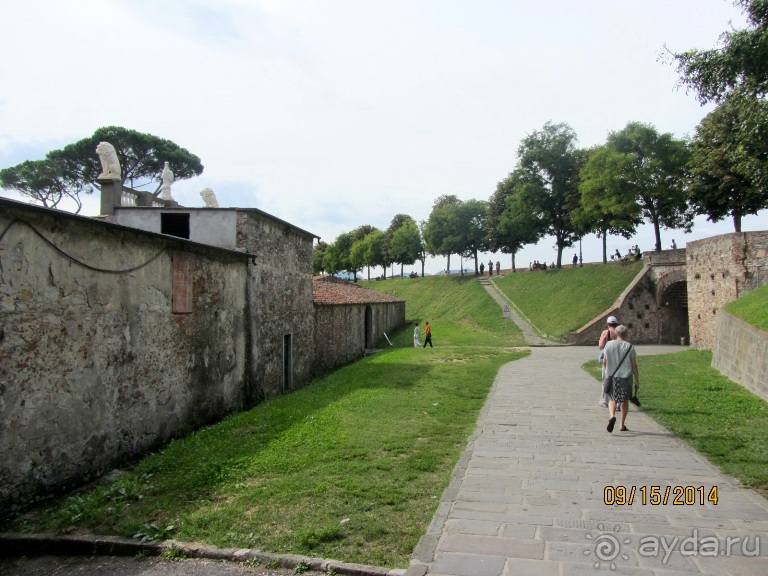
x,y
523,567
493,546
518,530
587,552
568,569
733,566
478,527
468,565
530,487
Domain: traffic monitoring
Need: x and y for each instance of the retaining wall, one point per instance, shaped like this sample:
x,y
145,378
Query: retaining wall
x,y
741,353
642,306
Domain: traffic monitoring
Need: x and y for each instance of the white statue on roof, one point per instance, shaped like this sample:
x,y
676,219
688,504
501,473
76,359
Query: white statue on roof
x,y
165,189
110,165
209,198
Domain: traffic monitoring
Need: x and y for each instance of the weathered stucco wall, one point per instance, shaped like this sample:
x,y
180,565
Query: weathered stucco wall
x,y
96,367
280,295
741,354
206,226
721,269
341,330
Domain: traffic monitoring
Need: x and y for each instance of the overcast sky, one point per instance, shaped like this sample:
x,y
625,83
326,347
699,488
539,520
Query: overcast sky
x,y
335,113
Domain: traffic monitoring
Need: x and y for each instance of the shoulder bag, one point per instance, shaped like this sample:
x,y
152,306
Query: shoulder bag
x,y
608,382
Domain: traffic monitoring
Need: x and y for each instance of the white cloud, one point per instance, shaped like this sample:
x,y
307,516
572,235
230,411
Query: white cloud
x,y
339,113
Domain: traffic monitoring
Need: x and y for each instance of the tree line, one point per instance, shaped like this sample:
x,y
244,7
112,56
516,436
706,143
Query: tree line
x,y
638,175
556,188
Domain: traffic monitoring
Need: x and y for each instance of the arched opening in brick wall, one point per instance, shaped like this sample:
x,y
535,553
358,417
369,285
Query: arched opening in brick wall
x,y
673,321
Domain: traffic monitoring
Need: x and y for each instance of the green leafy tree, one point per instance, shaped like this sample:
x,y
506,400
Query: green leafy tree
x,y
337,256
357,256
391,255
652,168
142,157
422,247
740,63
729,160
358,253
376,255
44,181
509,227
472,234
406,246
362,231
606,206
547,175
441,232
74,168
318,257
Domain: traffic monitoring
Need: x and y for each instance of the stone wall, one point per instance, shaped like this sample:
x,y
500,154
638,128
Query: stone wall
x,y
341,330
741,354
721,269
643,307
97,366
280,297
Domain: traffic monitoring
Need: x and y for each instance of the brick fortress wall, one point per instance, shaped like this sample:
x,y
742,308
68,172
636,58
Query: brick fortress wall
x,y
720,269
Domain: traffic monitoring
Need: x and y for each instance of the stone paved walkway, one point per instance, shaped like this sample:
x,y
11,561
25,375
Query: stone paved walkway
x,y
527,497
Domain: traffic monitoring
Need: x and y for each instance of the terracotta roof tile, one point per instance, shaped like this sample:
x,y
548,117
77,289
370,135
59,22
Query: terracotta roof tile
x,y
330,290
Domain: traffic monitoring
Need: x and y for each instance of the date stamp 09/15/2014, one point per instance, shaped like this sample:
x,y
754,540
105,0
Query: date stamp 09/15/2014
x,y
660,495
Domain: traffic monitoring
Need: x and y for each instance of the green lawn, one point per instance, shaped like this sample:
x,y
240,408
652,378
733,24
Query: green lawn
x,y
720,419
752,308
458,308
350,467
560,301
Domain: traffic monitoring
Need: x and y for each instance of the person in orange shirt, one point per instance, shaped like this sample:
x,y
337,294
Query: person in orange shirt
x,y
428,335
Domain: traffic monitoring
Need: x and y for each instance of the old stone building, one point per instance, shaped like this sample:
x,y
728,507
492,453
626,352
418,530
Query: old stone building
x,y
350,319
119,335
280,303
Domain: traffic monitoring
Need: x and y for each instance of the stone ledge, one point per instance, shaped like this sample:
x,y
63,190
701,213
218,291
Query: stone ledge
x,y
12,545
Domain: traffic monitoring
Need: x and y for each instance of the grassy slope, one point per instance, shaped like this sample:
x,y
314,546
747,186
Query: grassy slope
x,y
458,309
722,420
752,308
350,467
560,301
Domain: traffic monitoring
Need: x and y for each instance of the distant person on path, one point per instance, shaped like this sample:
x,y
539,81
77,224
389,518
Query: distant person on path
x,y
416,336
490,267
617,255
606,336
428,335
498,267
620,360
674,244
575,259
482,269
